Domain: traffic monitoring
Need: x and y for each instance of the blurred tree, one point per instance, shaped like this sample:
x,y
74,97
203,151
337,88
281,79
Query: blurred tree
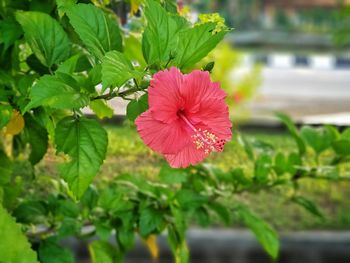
x,y
309,16
342,31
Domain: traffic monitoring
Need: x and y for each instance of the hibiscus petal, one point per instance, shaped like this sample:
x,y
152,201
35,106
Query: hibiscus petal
x,y
164,95
165,138
213,115
189,155
214,92
194,86
184,108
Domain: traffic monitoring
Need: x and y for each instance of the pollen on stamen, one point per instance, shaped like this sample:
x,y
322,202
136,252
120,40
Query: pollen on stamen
x,y
219,145
208,141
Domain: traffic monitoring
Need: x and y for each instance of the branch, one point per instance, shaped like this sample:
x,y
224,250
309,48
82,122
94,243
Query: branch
x,y
114,94
52,230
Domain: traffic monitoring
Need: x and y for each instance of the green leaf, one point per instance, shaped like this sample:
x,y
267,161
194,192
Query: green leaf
x,y
6,168
43,116
90,198
318,138
5,114
248,148
281,164
69,227
83,83
308,205
99,32
181,21
101,109
189,199
150,220
201,216
10,32
262,147
68,209
11,194
294,161
346,134
117,69
262,168
342,147
85,141
222,211
159,40
102,252
172,176
215,173
1,195
30,212
115,202
34,63
103,230
69,65
125,239
333,131
195,43
293,131
110,200
45,36
170,6
24,83
54,92
239,178
63,5
136,107
133,50
287,164
95,75
14,246
51,252
45,6
38,139
264,233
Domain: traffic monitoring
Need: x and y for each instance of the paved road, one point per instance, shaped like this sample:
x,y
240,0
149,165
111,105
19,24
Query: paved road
x,y
304,92
240,246
306,83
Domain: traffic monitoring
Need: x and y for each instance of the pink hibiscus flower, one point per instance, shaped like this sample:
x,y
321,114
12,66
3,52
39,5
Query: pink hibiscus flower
x,y
187,117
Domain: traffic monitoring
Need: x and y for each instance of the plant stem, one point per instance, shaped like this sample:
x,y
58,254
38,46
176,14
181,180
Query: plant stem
x,y
114,94
169,60
136,84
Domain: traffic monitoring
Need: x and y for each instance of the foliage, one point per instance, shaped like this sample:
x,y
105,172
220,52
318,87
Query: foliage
x,y
341,34
62,56
247,15
14,246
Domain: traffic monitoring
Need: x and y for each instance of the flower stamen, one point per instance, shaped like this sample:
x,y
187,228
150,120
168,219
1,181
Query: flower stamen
x,y
204,139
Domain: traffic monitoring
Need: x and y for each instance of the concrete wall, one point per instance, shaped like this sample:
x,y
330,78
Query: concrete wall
x,y
240,246
304,3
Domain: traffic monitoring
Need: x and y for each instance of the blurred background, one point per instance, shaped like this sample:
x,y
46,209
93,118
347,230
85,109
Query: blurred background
x,y
294,57
303,49
282,55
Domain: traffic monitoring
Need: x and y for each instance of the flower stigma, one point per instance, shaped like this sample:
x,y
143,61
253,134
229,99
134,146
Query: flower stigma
x,y
203,139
